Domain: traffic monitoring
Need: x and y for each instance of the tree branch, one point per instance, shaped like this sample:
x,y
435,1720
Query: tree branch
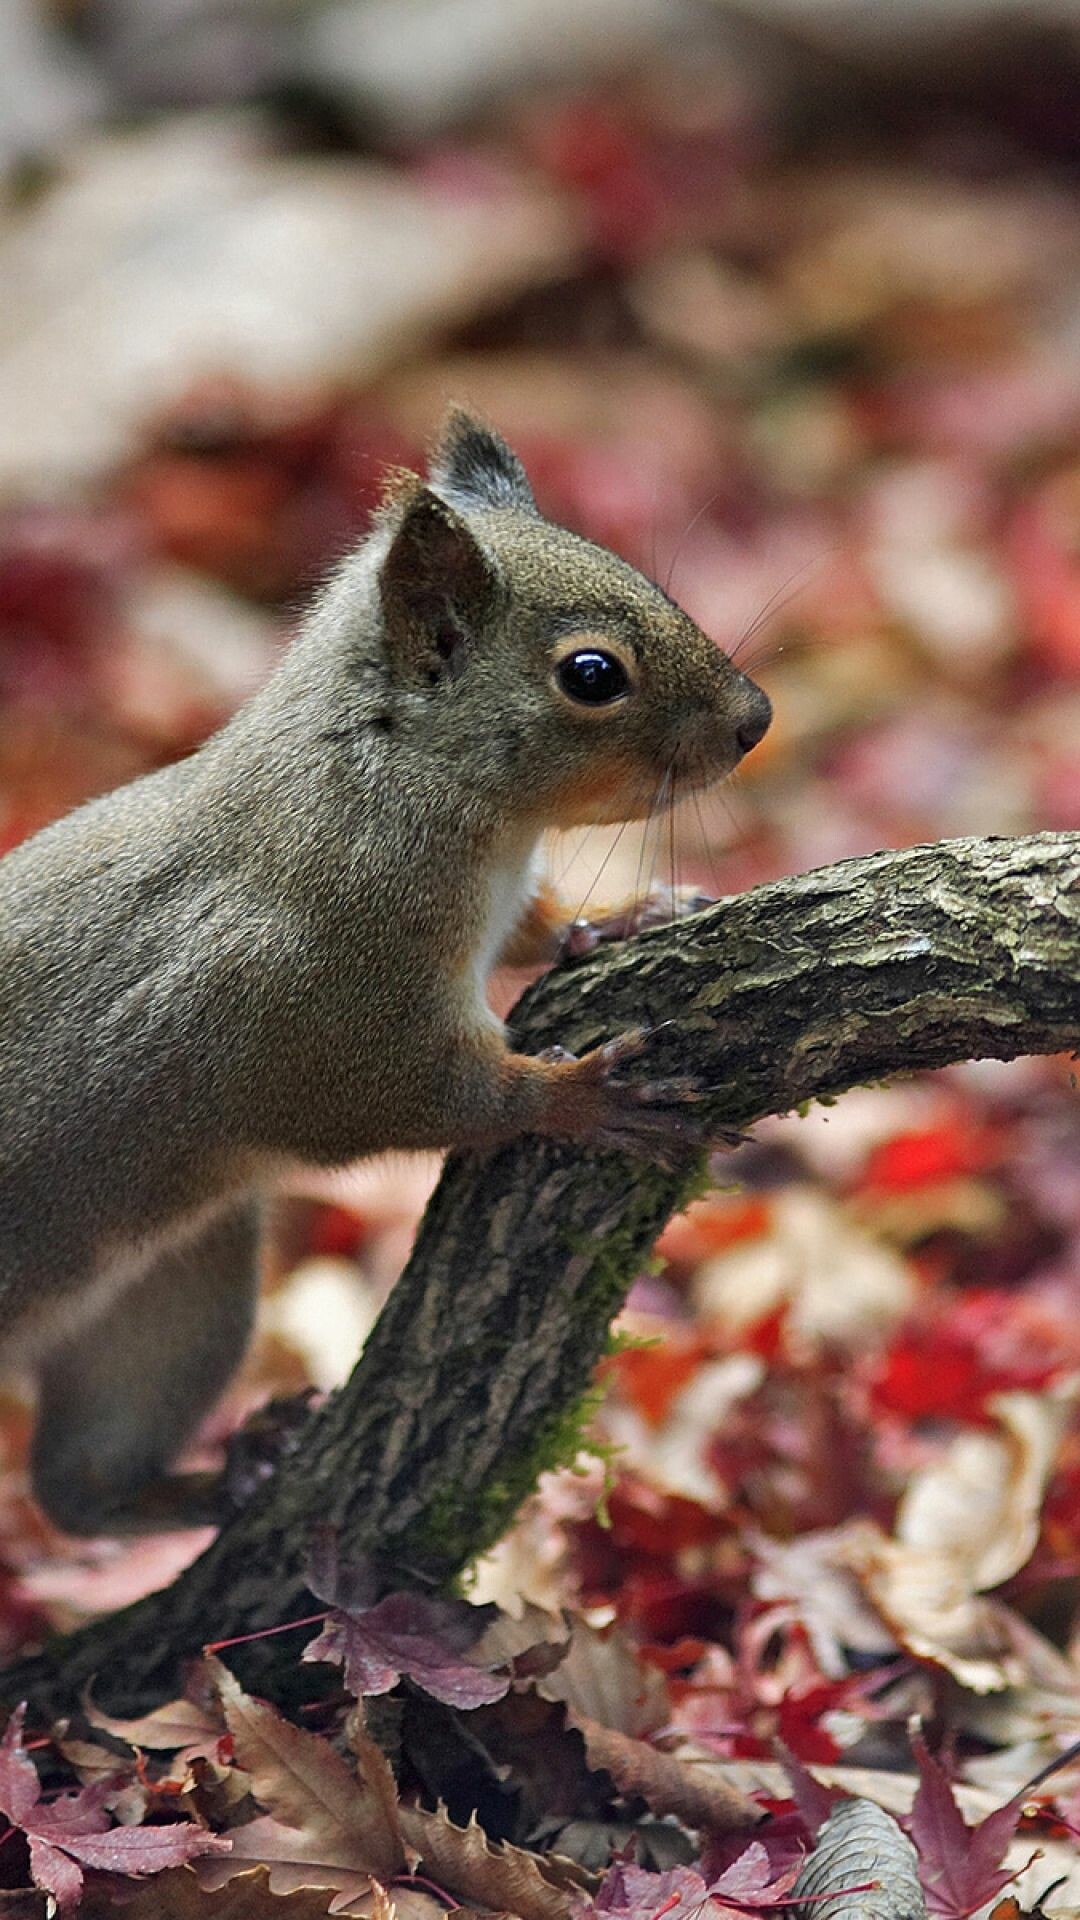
x,y
478,1362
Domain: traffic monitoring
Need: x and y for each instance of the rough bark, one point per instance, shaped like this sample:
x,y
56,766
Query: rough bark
x,y
478,1362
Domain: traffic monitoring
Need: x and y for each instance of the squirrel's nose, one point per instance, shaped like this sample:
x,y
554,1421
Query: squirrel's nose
x,y
755,722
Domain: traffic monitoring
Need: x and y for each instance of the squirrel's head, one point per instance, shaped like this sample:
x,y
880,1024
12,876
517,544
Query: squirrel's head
x,y
569,686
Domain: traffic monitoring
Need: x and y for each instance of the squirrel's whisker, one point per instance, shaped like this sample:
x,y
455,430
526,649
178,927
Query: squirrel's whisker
x,y
657,811
793,646
600,871
577,850
685,535
790,589
706,844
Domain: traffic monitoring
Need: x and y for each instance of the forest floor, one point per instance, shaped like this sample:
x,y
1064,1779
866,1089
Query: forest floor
x,y
832,1485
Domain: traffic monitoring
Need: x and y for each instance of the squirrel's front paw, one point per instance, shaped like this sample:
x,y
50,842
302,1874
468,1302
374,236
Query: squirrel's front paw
x,y
660,907
268,1436
645,1117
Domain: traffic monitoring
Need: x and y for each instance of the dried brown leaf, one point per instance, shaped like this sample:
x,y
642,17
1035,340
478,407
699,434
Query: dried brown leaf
x,y
533,1643
177,1895
296,1862
665,1783
603,1677
981,1501
924,1596
893,1791
324,1826
179,1724
91,1761
218,1796
966,1524
466,1862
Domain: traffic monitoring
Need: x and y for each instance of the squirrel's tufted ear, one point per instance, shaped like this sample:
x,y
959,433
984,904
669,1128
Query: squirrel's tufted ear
x,y
473,465
436,584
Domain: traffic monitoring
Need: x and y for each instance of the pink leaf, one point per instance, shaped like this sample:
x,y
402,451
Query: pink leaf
x,y
143,1849
632,1893
20,1788
414,1634
782,1839
74,1813
959,1866
750,1880
814,1801
56,1874
75,1832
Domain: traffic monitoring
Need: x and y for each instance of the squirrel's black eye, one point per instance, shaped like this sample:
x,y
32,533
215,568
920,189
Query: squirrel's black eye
x,y
592,677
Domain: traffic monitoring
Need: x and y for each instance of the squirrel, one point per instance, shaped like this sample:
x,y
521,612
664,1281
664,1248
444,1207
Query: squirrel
x,y
274,953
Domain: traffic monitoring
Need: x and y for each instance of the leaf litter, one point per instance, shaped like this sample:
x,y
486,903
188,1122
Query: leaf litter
x,y
841,1435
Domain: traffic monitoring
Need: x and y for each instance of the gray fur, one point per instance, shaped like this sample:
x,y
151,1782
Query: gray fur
x,y
271,953
474,467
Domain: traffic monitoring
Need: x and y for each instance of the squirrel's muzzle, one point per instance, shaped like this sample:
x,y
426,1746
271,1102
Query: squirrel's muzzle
x,y
755,720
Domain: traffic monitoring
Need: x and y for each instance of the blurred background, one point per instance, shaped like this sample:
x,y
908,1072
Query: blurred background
x,y
779,299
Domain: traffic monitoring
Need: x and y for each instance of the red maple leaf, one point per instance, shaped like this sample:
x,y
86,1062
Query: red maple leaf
x,y
752,1880
959,1866
755,1880
923,1157
423,1636
75,1831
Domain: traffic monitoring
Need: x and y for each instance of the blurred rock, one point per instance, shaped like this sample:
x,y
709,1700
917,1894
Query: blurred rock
x,y
938,267
48,92
709,310
422,66
216,637
193,52
865,26
188,249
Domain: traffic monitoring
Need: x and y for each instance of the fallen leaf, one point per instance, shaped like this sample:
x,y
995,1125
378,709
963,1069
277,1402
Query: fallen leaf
x,y
295,1860
966,1523
177,1895
603,1677
324,1826
862,1868
752,1880
836,1283
179,1724
665,1783
959,1866
632,1893
809,1573
895,1792
537,1757
981,1501
747,1885
75,1831
89,350
218,1796
481,1873
814,1800
527,1645
420,1636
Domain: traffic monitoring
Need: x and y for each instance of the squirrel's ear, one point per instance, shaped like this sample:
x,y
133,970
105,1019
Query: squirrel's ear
x,y
473,464
436,584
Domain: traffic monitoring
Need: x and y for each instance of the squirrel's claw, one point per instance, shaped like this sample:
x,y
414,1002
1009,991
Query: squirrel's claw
x,y
645,1117
660,907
